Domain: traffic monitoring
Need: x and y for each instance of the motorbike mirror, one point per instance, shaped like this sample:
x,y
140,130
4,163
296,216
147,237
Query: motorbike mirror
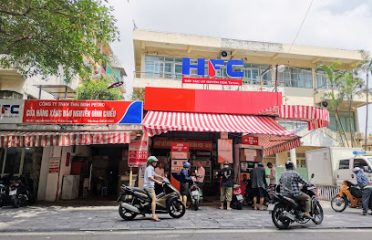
x,y
312,175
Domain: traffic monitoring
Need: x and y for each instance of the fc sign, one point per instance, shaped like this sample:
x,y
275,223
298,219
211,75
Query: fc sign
x,y
11,111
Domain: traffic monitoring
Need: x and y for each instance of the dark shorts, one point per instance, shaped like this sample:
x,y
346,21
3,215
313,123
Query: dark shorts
x,y
184,190
259,192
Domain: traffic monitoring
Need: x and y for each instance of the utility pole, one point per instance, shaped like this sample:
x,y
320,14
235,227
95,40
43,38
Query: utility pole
x,y
367,110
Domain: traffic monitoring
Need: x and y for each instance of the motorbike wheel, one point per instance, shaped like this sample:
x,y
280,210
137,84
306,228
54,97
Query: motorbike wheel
x,y
126,214
339,204
196,205
318,214
176,209
276,217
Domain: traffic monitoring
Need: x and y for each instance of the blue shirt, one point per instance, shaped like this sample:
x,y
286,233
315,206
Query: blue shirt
x,y
362,179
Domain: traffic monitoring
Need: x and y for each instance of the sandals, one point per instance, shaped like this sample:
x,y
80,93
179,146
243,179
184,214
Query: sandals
x,y
155,219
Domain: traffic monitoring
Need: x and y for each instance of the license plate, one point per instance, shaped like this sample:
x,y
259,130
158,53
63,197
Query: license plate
x,y
270,207
13,192
239,197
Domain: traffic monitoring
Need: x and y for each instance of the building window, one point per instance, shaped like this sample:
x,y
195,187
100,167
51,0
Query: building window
x,y
20,161
296,77
348,123
7,94
253,73
322,80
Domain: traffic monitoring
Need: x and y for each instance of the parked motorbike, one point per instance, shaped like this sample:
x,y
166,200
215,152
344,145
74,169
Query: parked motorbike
x,y
285,210
237,199
348,195
195,196
13,192
134,201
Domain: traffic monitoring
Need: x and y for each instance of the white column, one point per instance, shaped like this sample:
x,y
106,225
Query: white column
x,y
292,153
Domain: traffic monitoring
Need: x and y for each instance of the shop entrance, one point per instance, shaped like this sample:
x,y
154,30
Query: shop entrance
x,y
101,171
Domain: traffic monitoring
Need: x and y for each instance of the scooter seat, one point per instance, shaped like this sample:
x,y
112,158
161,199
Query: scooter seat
x,y
137,189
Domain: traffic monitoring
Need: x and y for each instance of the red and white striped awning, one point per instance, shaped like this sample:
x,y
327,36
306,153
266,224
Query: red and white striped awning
x,y
43,139
273,137
315,117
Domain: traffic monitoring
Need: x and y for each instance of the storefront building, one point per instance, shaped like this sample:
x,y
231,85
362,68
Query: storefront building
x,y
213,127
69,149
266,67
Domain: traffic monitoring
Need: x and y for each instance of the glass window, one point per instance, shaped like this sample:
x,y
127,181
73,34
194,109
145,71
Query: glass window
x,y
360,163
296,77
13,160
348,123
344,164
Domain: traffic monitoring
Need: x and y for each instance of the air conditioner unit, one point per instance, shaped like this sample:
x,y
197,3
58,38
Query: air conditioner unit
x,y
224,54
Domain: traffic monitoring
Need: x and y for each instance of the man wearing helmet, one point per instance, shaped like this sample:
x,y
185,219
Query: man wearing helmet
x,y
290,187
363,183
185,179
149,183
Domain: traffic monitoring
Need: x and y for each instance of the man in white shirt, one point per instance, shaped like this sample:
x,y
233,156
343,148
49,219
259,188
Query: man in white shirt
x,y
149,183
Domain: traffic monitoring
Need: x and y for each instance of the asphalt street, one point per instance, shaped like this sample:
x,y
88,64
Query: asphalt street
x,y
106,218
197,235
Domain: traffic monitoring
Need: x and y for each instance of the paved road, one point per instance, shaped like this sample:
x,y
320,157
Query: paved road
x,y
106,218
197,235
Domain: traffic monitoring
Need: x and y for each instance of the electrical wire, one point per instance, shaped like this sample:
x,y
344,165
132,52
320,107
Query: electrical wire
x,y
301,25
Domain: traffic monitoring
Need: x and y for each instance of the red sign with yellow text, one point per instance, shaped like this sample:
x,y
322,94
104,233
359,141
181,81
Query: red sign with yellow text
x,y
165,143
82,112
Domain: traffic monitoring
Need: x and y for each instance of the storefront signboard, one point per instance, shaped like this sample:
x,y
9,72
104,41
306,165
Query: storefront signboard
x,y
225,151
11,111
180,147
164,143
250,140
230,68
138,153
54,164
82,112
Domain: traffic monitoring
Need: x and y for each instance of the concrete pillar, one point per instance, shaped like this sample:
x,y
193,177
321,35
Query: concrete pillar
x,y
292,153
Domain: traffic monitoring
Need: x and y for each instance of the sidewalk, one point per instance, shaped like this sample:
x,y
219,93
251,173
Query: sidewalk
x,y
106,218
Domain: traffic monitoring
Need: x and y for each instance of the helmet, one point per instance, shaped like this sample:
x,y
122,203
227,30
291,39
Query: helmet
x,y
289,165
356,169
186,165
152,159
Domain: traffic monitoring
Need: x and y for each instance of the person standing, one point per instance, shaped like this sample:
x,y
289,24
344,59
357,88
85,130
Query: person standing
x,y
185,179
200,175
272,178
159,170
227,183
149,184
363,183
259,185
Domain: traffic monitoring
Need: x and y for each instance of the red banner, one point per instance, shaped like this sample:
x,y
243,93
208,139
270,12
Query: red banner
x,y
81,112
138,152
180,147
193,144
250,140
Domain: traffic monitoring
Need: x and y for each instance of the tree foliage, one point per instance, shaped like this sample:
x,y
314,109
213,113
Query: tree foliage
x,y
97,90
344,86
52,37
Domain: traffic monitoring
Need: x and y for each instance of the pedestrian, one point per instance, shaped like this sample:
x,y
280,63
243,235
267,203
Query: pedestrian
x,y
199,175
227,183
159,170
149,183
259,185
272,178
185,179
363,183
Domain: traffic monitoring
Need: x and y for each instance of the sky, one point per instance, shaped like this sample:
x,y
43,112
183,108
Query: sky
x,y
345,24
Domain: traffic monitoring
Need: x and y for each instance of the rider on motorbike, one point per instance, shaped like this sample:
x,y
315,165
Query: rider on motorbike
x,y
289,187
363,183
149,183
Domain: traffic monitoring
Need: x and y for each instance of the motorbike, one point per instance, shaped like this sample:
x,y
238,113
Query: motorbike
x,y
348,195
136,201
13,192
237,199
285,210
195,196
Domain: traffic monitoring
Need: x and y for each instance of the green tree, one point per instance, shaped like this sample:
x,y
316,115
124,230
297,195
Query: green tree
x,y
344,86
54,37
97,90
